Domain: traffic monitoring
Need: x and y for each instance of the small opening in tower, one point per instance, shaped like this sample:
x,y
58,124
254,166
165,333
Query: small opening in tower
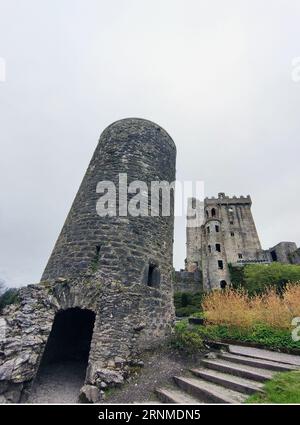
x,y
240,255
231,233
218,247
153,278
208,229
213,212
217,228
209,248
223,284
95,261
220,264
274,255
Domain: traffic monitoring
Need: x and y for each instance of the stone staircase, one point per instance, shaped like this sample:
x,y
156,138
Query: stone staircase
x,y
227,376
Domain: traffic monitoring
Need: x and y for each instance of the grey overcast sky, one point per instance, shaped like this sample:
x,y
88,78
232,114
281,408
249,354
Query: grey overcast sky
x,y
217,75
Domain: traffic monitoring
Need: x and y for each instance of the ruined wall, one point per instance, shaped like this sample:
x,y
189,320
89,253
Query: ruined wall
x,y
185,281
294,256
282,252
105,265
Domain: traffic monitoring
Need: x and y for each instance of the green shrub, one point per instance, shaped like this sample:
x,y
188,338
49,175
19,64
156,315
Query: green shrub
x,y
10,296
257,278
187,337
187,303
261,334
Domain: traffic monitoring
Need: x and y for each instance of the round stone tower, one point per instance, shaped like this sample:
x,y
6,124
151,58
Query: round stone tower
x,y
119,246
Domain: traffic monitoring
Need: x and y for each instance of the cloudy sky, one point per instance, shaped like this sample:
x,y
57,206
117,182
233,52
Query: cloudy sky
x,y
218,76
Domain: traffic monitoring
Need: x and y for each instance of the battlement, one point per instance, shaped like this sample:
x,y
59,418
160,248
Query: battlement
x,y
223,199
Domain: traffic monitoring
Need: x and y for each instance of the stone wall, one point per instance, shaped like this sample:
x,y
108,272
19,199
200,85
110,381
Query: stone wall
x,y
128,321
294,256
118,267
188,281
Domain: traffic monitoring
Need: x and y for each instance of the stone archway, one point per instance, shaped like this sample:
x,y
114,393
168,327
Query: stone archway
x,y
63,366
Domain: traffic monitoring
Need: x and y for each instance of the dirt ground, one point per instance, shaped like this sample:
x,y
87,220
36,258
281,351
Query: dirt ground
x,y
61,382
159,369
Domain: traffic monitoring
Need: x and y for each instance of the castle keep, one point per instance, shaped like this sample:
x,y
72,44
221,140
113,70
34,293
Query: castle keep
x,y
226,235
106,293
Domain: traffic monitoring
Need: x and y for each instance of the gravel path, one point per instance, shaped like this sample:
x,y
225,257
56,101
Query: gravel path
x,y
159,369
58,383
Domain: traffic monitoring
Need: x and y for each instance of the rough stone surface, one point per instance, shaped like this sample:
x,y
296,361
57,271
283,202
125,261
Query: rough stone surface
x,y
89,394
101,264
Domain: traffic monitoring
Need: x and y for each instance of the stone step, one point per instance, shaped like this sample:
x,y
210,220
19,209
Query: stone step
x,y
256,362
232,382
265,354
209,392
241,370
167,395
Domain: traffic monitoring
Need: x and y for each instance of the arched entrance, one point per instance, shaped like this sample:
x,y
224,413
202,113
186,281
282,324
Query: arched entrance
x,y
62,370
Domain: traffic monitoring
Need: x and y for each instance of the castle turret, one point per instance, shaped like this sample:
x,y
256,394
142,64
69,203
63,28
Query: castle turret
x,y
131,249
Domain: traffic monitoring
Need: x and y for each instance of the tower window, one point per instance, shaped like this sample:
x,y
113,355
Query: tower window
x,y
218,247
208,230
223,284
220,264
240,255
217,228
153,275
274,255
213,212
231,233
209,248
231,222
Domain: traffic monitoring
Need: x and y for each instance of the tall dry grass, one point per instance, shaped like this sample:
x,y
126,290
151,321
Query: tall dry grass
x,y
236,308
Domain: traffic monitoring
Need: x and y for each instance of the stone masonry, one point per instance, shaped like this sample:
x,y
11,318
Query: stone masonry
x,y
227,235
119,268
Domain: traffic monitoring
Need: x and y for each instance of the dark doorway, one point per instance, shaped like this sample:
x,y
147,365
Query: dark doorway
x,y
223,284
274,256
63,367
70,337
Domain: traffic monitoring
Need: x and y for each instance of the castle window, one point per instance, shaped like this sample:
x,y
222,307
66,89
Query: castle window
x,y
95,260
231,233
231,222
213,212
208,230
193,203
209,248
217,228
223,284
220,264
218,247
240,255
153,275
274,256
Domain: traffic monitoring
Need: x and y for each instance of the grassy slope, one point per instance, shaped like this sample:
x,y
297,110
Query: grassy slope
x,y
283,388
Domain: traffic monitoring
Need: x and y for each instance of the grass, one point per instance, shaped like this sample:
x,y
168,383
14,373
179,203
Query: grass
x,y
237,309
282,388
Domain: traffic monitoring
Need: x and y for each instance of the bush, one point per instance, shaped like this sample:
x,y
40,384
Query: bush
x,y
187,337
260,334
261,319
10,296
187,303
237,308
260,277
